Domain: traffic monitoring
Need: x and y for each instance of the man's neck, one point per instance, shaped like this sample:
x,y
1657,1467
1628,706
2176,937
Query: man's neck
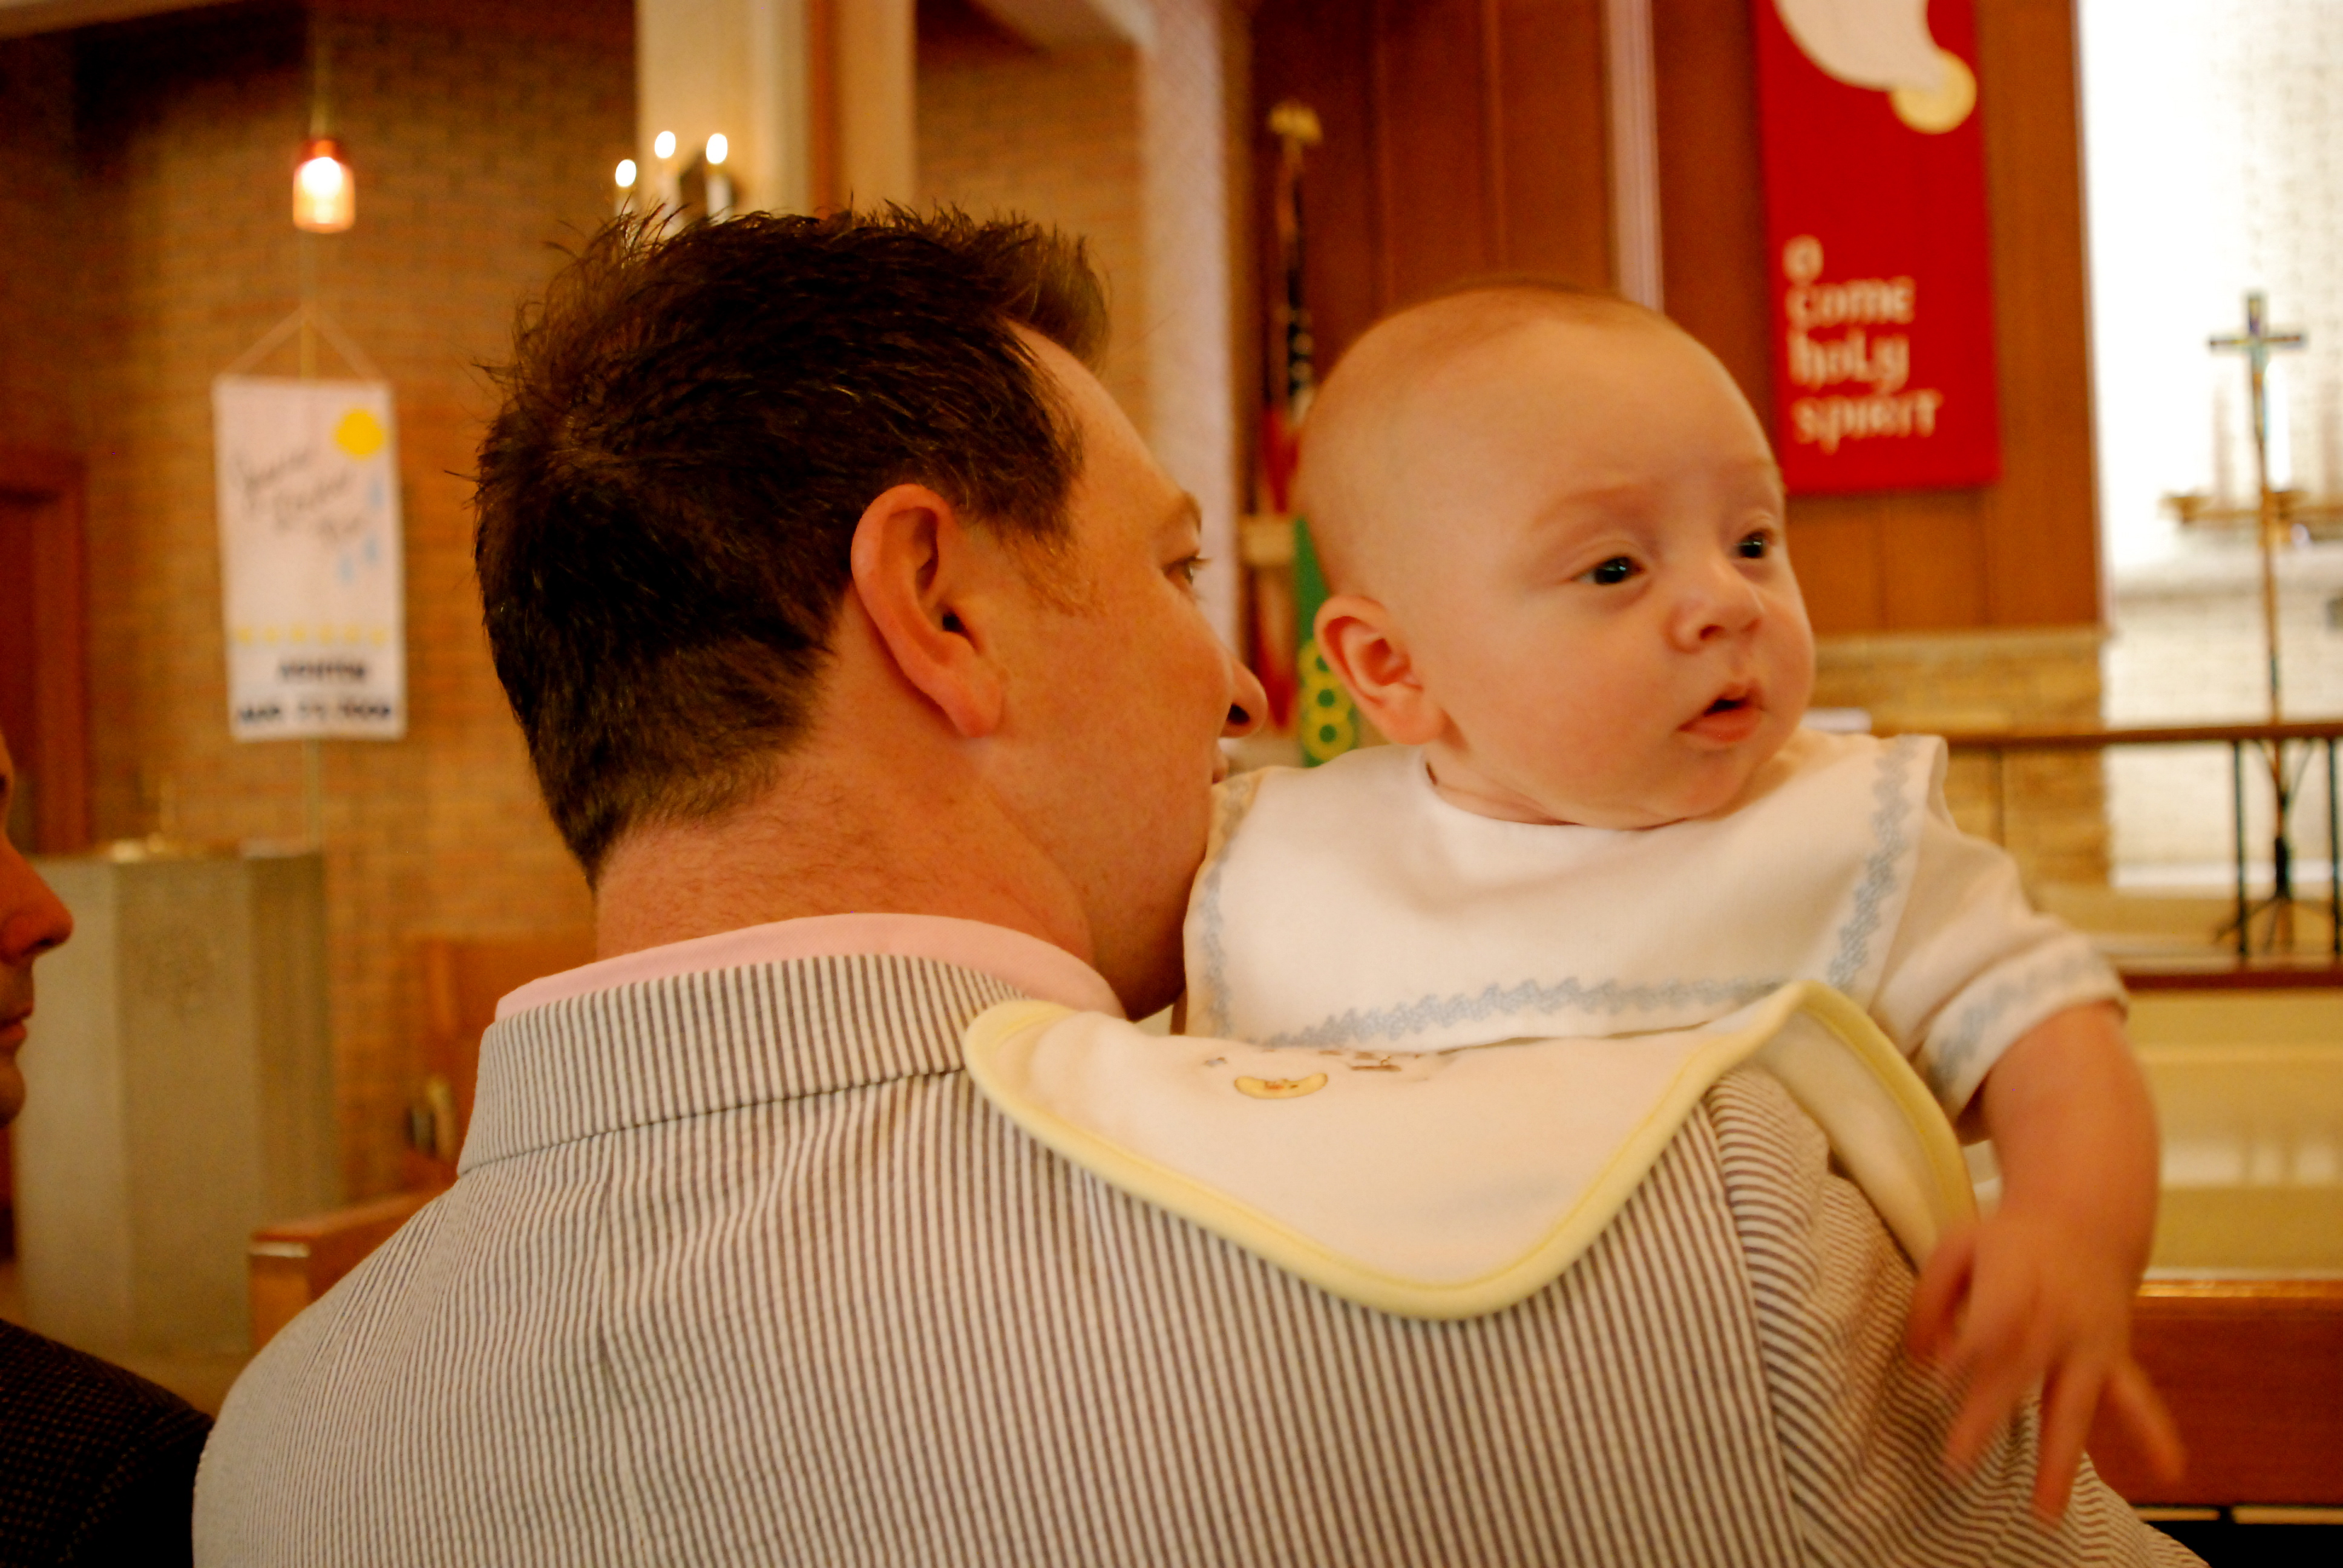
x,y
822,840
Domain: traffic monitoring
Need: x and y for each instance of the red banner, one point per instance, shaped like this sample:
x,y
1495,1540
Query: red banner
x,y
1876,218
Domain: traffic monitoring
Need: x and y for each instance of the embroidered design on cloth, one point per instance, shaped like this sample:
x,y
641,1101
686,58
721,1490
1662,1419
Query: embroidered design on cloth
x,y
1959,1044
1891,838
1609,998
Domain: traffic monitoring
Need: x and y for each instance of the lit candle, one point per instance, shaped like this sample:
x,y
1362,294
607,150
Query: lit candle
x,y
720,183
325,192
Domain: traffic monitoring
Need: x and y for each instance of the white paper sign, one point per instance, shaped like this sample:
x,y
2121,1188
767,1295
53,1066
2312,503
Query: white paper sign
x,y
309,558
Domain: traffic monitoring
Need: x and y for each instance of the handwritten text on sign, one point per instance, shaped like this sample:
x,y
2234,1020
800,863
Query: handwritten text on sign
x,y
1875,189
307,476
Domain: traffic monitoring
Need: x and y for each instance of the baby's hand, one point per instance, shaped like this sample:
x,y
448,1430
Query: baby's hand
x,y
2024,1299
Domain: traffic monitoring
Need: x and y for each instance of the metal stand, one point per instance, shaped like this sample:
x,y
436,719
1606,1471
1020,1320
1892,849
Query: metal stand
x,y
2276,912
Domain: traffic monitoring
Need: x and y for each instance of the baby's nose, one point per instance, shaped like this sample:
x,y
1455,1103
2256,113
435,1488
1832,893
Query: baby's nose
x,y
1718,603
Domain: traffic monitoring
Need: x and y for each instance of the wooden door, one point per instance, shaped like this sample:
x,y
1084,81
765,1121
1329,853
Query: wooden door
x,y
44,694
44,701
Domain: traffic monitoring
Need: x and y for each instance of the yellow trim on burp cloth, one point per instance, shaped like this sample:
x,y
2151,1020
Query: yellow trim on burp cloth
x,y
1448,1184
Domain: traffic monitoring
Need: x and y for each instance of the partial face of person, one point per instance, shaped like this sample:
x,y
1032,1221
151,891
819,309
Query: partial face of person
x,y
1124,691
32,922
1591,578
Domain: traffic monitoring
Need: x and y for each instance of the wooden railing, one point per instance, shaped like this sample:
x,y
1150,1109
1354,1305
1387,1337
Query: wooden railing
x,y
2284,748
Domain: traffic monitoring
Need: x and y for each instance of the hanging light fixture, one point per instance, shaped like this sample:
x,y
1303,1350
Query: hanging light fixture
x,y
325,191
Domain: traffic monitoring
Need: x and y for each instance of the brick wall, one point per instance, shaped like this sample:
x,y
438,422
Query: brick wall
x,y
480,132
2048,809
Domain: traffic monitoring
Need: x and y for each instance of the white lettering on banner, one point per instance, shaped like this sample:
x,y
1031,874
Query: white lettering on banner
x,y
307,478
1855,357
1824,422
1875,301
1884,365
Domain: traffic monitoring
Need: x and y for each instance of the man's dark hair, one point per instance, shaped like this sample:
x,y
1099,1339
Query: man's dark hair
x,y
693,424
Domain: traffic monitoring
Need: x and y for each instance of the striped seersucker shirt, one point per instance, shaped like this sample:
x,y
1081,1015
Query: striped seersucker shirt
x,y
741,1269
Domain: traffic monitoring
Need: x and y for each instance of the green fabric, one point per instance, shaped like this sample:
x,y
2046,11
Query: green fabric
x,y
1324,713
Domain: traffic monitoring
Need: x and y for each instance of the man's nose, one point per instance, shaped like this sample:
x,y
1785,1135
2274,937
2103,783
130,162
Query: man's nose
x,y
1248,703
33,920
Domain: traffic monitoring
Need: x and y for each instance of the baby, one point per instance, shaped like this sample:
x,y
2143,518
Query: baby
x,y
1554,531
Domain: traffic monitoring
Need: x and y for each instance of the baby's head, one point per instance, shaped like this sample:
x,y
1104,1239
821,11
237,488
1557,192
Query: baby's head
x,y
1553,531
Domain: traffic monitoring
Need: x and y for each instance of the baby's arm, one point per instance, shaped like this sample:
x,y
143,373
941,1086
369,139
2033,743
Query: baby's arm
x,y
2040,1291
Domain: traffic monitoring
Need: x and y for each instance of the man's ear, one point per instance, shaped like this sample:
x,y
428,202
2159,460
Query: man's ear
x,y
1360,640
918,571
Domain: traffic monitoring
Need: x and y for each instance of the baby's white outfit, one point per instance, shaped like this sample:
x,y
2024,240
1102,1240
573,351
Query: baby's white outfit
x,y
1350,908
1431,1056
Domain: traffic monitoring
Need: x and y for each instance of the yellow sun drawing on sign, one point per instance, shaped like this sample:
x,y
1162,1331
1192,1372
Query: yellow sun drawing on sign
x,y
360,434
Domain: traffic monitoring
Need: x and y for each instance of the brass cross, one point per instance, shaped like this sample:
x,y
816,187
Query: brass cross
x,y
2256,343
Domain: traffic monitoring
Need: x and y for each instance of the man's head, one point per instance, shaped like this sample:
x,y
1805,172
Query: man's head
x,y
1556,533
32,922
775,490
692,428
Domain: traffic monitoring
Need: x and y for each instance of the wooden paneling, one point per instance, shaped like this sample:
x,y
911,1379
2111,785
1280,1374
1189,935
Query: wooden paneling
x,y
1467,137
1933,575
1837,562
1320,52
1552,175
1463,137
1711,193
1430,99
2040,523
2022,552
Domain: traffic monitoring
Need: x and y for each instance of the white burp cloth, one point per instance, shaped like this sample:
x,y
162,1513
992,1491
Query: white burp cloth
x,y
1449,1183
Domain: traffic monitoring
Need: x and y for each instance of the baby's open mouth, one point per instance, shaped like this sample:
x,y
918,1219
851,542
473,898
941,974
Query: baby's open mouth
x,y
1732,717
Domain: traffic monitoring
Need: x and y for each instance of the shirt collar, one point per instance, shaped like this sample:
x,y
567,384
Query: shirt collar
x,y
1037,968
698,1042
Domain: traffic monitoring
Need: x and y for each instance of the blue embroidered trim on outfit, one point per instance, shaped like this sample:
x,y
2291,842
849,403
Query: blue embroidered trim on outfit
x,y
1889,839
1434,1012
1959,1046
1236,800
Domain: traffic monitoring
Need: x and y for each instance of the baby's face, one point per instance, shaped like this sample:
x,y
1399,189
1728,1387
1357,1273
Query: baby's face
x,y
1591,579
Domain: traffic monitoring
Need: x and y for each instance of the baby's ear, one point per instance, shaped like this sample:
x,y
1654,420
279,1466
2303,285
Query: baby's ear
x,y
1364,646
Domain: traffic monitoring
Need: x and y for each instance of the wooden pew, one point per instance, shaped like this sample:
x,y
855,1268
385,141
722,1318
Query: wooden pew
x,y
2253,1370
457,982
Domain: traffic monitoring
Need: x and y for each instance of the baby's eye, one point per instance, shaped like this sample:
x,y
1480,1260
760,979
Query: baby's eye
x,y
1610,573
1185,569
1756,546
